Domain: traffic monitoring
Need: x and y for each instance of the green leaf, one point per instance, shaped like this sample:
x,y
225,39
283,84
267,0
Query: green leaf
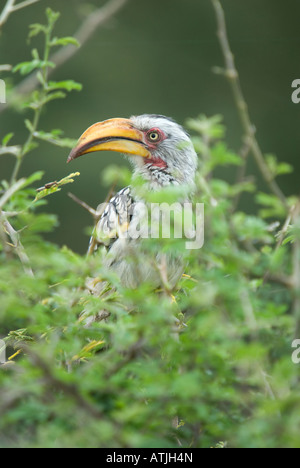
x,y
68,85
29,125
209,127
27,67
54,138
35,54
114,174
273,206
277,168
33,178
19,336
222,156
36,29
55,186
284,168
64,41
52,16
7,139
29,147
53,96
251,228
288,240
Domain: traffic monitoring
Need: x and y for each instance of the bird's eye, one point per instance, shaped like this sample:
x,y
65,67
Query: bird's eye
x,y
154,136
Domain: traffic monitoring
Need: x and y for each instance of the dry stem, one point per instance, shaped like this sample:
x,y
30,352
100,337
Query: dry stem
x,y
8,230
10,8
232,75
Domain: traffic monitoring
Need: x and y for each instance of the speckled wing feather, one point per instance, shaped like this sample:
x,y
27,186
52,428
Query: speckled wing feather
x,y
115,219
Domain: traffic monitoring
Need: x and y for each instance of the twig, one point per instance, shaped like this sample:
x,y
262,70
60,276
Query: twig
x,y
84,205
249,315
163,273
268,387
5,67
96,214
288,281
7,247
241,173
59,385
10,191
7,10
296,270
85,31
15,150
284,280
129,355
232,75
10,8
24,4
17,245
285,227
251,322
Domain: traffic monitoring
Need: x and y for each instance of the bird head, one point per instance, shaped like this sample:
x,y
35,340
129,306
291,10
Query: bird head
x,y
160,149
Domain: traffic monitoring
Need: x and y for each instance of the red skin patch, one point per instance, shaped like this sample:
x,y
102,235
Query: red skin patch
x,y
157,162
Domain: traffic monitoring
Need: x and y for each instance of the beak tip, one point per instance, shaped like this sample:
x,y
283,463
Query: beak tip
x,y
72,155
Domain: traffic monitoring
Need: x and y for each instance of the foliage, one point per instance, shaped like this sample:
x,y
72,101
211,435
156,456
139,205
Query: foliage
x,y
207,364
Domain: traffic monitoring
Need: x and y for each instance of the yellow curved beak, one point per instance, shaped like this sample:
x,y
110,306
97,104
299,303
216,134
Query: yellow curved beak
x,y
111,135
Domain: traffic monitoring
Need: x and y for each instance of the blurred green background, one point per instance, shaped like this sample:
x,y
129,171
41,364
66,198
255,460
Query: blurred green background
x,y
157,57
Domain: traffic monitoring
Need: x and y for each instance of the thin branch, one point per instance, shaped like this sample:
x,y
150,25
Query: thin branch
x,y
11,214
96,214
249,314
10,191
251,322
241,173
7,11
24,4
285,227
84,205
163,273
7,247
16,244
15,150
129,355
232,75
288,281
284,280
83,34
10,8
296,270
67,388
268,387
5,67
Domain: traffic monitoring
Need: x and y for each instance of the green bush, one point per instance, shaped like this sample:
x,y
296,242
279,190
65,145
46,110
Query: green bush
x,y
207,364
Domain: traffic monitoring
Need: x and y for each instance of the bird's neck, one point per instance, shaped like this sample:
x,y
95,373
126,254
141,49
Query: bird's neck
x,y
155,177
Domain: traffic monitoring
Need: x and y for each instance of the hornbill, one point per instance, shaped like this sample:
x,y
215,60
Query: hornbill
x,y
162,153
